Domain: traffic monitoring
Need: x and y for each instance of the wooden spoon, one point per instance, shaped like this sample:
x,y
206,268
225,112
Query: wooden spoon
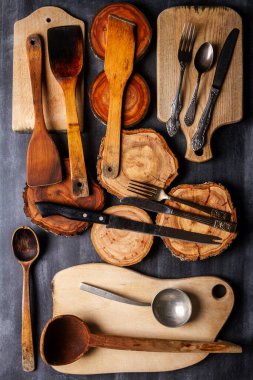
x,y
119,58
65,47
66,338
25,246
43,165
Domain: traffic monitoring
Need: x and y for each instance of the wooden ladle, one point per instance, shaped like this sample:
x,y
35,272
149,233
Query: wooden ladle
x,y
25,246
65,47
66,338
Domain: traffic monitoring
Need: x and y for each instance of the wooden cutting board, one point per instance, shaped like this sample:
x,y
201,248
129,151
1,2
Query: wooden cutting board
x,y
213,25
53,100
112,317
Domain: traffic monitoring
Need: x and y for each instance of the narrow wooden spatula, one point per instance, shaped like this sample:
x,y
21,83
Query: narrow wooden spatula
x,y
65,47
119,58
43,165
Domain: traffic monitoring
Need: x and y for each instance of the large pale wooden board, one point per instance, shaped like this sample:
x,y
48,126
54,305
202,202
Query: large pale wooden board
x,y
213,25
112,317
53,100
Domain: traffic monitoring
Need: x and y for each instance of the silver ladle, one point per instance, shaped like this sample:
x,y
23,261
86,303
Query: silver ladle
x,y
203,62
171,307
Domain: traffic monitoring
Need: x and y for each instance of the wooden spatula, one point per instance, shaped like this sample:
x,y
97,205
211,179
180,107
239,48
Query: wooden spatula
x,y
119,58
65,47
43,165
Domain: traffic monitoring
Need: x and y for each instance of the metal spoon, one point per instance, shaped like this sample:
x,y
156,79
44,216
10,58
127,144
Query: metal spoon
x,y
203,62
66,338
25,246
171,307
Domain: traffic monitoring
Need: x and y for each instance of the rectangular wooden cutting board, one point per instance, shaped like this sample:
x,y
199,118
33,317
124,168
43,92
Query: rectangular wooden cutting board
x,y
111,317
53,100
213,24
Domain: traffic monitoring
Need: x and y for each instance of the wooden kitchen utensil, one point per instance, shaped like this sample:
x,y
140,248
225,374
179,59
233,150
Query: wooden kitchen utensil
x,y
65,46
43,165
212,300
25,246
66,338
119,58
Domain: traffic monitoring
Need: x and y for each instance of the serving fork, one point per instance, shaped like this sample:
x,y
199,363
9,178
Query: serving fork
x,y
184,57
158,194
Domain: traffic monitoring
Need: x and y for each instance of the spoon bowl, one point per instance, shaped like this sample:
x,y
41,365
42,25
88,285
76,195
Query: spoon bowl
x,y
204,58
25,244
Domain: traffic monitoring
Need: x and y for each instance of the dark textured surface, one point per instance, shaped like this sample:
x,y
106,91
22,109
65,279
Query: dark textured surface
x,y
232,166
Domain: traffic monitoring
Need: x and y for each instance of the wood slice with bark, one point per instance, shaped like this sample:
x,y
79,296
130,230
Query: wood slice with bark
x,y
210,194
127,11
145,157
61,193
122,247
136,99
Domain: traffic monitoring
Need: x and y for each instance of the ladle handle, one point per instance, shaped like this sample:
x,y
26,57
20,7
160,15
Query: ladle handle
x,y
161,345
27,340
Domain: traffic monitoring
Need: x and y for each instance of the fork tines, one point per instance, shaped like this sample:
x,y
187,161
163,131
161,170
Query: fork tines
x,y
187,38
144,189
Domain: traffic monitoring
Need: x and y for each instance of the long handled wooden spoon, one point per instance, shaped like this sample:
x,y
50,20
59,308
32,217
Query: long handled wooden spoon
x,y
66,338
65,47
119,58
43,165
25,246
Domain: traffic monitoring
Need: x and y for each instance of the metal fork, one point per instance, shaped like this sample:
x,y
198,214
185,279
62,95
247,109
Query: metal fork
x,y
184,56
158,194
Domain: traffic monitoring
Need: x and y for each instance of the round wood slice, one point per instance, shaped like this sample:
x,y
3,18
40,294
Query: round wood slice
x,y
209,194
61,193
121,247
127,11
135,103
145,157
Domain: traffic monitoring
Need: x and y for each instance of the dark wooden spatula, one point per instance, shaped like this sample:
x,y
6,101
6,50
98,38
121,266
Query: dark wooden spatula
x,y
65,47
43,165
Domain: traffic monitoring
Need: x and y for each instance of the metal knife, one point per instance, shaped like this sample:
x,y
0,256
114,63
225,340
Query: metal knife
x,y
120,223
222,67
161,208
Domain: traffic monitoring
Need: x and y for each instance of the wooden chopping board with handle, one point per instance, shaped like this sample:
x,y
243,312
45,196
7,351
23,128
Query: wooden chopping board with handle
x,y
39,22
213,24
111,317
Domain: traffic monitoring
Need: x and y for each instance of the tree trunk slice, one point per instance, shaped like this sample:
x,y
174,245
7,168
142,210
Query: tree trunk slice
x,y
129,12
135,102
61,193
209,194
121,247
145,157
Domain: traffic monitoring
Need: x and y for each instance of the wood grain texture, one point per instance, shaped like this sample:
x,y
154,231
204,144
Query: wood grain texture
x,y
61,193
209,194
213,25
142,152
119,59
53,102
99,27
121,247
135,100
110,317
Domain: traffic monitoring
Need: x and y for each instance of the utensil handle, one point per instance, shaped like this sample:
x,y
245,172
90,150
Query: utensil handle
x,y
161,345
173,124
198,139
191,111
27,339
34,53
111,157
79,180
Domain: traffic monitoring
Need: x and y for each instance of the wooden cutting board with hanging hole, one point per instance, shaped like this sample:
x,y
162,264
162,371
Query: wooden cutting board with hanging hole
x,y
213,24
111,317
53,100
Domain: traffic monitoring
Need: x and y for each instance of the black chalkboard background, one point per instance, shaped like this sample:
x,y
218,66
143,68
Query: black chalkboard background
x,y
232,166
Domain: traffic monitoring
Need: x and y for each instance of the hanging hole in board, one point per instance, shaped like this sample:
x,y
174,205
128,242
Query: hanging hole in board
x,y
32,42
79,184
48,19
199,152
219,291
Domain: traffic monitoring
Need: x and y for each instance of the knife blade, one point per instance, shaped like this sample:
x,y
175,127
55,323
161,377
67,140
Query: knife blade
x,y
161,208
222,68
120,223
